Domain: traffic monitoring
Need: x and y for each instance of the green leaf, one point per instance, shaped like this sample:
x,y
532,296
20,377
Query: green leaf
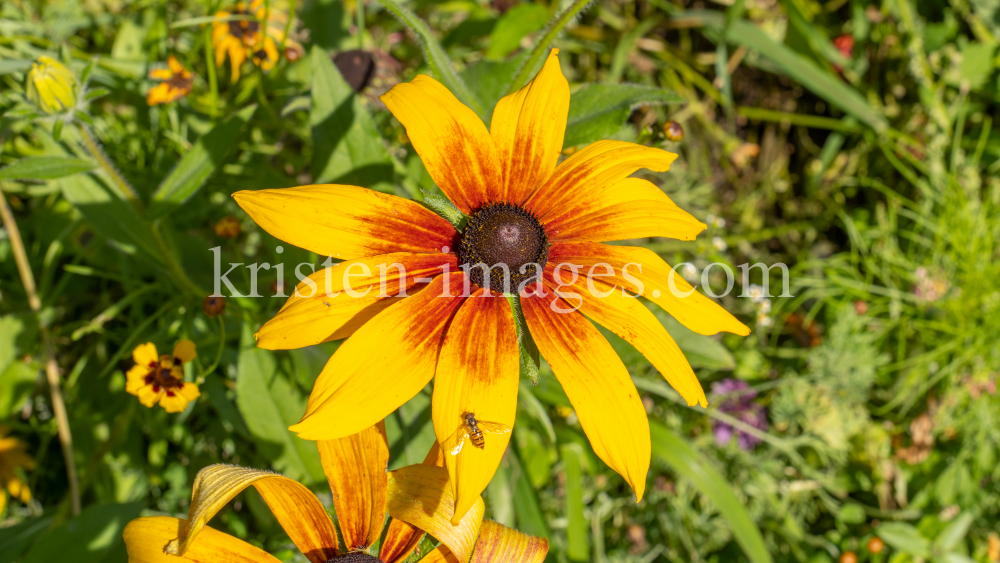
x,y
435,56
199,163
528,353
578,548
701,351
800,69
446,209
954,532
45,168
598,111
905,538
851,513
977,64
8,66
691,465
516,23
489,81
527,509
347,148
16,383
270,404
94,536
15,539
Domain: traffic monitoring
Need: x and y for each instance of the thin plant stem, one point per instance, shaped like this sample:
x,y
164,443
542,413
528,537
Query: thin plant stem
x,y
360,13
51,367
105,163
213,81
544,42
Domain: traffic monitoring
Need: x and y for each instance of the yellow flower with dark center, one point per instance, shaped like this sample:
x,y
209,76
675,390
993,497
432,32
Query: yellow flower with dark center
x,y
160,379
251,31
176,83
528,214
417,498
13,458
51,86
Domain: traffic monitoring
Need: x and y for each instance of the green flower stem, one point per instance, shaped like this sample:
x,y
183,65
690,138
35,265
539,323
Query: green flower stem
x,y
51,367
213,81
542,47
105,163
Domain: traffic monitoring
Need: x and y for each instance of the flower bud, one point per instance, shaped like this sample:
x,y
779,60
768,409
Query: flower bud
x,y
51,86
227,227
213,306
876,545
674,131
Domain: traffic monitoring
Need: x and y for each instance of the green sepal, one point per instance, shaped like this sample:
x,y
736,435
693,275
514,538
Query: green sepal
x,y
527,351
445,208
57,129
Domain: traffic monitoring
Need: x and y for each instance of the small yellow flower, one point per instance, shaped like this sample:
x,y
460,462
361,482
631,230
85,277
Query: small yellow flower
x,y
13,458
176,83
418,499
51,86
256,36
160,379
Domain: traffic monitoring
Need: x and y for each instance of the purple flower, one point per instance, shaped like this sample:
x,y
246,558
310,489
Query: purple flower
x,y
739,403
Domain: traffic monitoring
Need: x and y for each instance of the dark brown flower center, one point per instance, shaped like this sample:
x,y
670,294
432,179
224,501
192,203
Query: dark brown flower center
x,y
503,246
167,373
241,29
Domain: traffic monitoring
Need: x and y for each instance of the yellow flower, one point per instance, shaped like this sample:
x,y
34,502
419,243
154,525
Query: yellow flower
x,y
12,459
160,379
51,86
523,209
176,83
417,498
242,37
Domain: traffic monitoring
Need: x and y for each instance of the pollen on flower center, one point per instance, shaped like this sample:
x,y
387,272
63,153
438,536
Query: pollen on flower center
x,y
355,557
166,374
506,241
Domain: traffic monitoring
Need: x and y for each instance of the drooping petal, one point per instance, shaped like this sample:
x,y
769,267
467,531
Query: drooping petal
x,y
629,319
439,554
421,495
355,467
145,539
185,351
593,168
145,354
651,277
189,391
478,374
346,222
172,401
135,378
320,310
149,395
500,544
294,506
528,127
402,538
384,364
452,141
597,384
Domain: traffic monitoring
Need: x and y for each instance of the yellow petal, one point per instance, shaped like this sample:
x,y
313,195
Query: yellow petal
x,y
355,467
631,320
693,310
3,500
294,506
320,310
346,222
145,539
135,378
528,128
174,65
477,373
384,364
452,141
149,395
172,401
421,495
500,544
185,351
597,384
189,391
145,354
596,166
439,554
400,541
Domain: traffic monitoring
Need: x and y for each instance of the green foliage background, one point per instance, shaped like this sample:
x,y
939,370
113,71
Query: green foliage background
x,y
870,170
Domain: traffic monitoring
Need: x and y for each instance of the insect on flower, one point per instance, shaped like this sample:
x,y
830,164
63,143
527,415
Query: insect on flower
x,y
473,429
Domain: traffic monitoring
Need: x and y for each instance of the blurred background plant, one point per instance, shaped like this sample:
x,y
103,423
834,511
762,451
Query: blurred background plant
x,y
851,140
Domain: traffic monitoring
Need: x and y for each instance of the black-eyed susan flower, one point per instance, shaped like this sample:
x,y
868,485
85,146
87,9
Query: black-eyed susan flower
x,y
251,31
51,86
532,222
13,459
417,498
176,83
160,379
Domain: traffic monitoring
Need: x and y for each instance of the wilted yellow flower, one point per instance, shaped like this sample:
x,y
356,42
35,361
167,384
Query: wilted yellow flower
x,y
176,83
160,379
255,32
13,458
418,498
51,86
